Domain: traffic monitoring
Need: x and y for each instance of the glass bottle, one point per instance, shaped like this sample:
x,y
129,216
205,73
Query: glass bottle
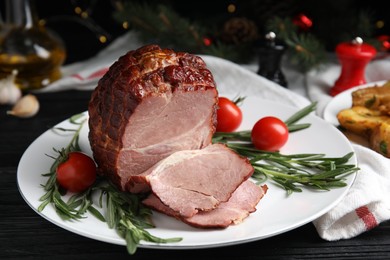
x,y
28,47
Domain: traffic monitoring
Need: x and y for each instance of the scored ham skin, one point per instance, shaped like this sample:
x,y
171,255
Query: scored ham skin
x,y
242,202
197,180
151,103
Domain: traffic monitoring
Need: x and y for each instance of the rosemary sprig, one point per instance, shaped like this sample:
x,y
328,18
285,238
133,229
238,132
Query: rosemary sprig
x,y
124,212
291,172
315,171
291,122
79,203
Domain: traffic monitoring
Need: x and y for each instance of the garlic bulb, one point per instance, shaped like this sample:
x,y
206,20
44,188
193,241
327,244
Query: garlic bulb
x,y
9,91
27,106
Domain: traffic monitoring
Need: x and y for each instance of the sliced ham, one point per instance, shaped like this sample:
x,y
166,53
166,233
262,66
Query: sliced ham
x,y
192,180
151,103
242,202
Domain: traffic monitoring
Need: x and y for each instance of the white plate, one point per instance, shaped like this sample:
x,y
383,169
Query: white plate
x,y
276,213
343,101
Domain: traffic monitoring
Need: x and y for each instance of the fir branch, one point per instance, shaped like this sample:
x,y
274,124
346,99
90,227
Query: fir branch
x,y
304,50
282,27
160,24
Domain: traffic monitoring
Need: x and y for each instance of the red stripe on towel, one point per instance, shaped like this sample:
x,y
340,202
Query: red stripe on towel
x,y
367,217
98,74
77,76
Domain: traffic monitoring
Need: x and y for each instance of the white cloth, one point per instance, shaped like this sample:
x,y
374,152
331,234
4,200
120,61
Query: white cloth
x,y
233,79
367,204
368,201
84,75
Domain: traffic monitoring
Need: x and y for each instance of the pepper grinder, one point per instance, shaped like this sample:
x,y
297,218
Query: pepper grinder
x,y
270,56
353,57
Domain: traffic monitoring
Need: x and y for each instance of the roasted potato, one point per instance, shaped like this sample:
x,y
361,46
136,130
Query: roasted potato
x,y
369,117
361,120
375,97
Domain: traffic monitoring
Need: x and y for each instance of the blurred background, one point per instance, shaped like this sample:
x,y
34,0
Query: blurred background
x,y
222,26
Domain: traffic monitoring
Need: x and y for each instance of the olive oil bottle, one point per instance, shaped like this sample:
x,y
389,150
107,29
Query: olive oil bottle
x,y
27,46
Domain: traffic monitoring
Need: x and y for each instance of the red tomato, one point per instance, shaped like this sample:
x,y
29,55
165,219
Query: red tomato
x,y
269,134
229,115
77,173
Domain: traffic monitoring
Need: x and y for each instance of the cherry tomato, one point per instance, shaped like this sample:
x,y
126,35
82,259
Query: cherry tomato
x,y
269,134
77,173
229,115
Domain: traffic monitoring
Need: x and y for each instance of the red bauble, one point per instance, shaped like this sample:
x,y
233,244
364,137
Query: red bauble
x,y
385,42
207,41
303,22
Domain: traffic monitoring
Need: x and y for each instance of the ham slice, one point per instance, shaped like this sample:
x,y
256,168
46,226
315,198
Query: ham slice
x,y
192,180
242,202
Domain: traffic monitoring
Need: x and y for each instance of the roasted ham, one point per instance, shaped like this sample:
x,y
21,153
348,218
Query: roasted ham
x,y
151,103
151,120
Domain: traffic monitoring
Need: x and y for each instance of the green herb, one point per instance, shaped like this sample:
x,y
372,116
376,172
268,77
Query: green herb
x,y
126,214
291,122
124,211
238,100
370,102
383,147
79,203
291,172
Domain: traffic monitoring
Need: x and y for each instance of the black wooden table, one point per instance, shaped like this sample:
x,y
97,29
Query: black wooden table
x,y
26,235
